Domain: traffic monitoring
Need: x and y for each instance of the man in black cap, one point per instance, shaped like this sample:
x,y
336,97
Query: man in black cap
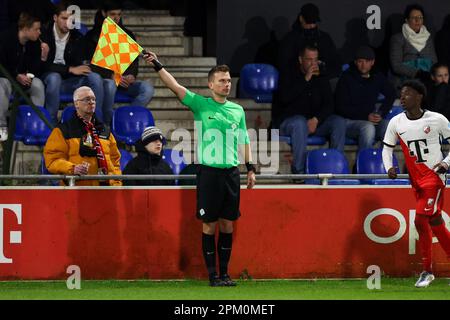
x,y
356,95
305,31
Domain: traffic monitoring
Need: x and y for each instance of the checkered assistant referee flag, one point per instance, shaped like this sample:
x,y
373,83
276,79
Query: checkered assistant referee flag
x,y
116,50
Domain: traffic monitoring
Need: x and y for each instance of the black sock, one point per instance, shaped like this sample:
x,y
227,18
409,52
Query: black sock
x,y
209,252
224,249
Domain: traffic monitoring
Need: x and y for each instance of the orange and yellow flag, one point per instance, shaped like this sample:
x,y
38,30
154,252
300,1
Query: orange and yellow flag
x,y
116,50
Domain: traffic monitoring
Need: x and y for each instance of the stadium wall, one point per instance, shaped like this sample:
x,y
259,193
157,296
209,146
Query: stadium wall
x,y
120,233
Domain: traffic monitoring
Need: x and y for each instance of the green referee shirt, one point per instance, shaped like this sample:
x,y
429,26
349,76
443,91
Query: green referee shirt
x,y
221,128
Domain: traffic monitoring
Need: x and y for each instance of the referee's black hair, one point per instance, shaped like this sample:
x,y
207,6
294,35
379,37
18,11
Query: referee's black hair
x,y
417,86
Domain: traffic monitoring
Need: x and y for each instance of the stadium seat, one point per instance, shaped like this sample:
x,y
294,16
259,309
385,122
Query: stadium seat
x,y
129,122
67,113
328,161
258,81
175,160
395,110
83,29
370,161
30,129
125,157
44,171
122,97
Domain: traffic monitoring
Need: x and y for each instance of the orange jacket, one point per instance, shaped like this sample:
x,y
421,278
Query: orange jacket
x,y
62,151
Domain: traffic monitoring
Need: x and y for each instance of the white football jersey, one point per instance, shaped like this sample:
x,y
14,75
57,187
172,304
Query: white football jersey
x,y
420,140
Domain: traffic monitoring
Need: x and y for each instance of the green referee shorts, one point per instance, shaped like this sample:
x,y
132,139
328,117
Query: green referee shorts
x,y
218,193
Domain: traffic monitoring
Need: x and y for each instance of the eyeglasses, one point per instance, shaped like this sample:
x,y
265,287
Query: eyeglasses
x,y
419,18
87,99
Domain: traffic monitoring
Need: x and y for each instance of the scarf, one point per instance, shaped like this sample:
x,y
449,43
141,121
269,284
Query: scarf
x,y
417,40
92,133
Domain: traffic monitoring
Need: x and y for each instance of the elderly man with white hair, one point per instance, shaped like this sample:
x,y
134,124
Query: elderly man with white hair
x,y
83,145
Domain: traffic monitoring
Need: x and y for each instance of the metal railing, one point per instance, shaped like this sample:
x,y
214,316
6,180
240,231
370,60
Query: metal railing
x,y
323,177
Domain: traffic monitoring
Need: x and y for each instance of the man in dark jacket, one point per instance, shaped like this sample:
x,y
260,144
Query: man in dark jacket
x,y
357,99
149,159
438,90
304,106
141,91
65,70
20,55
305,31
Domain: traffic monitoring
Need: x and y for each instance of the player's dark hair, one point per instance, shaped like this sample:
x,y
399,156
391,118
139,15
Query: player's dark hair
x,y
417,86
214,70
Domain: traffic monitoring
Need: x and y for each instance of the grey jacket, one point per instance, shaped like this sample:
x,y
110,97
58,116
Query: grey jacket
x,y
401,51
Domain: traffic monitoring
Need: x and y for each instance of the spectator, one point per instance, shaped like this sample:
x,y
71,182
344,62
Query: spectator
x,y
149,159
64,65
438,97
20,55
141,91
83,145
412,51
357,94
305,31
304,106
442,42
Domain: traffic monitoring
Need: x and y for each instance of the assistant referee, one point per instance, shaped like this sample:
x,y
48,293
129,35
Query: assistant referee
x,y
222,131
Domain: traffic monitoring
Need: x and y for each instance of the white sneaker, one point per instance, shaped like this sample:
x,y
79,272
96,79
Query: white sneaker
x,y
425,279
3,134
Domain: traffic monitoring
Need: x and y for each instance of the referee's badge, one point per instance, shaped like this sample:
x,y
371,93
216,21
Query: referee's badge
x,y
234,126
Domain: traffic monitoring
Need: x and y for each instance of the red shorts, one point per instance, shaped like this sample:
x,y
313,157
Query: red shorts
x,y
430,200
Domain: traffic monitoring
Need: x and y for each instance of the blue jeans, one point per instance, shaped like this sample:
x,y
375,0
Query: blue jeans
x,y
296,127
110,88
365,132
55,84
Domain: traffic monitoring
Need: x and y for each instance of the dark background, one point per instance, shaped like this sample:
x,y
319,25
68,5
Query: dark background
x,y
249,30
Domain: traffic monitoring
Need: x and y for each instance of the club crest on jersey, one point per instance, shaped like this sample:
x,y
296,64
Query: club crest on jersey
x,y
427,129
430,202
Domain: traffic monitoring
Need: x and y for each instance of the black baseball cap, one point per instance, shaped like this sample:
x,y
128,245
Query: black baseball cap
x,y
365,52
310,12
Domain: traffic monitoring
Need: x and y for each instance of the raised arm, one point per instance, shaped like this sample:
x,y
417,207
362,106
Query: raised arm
x,y
166,77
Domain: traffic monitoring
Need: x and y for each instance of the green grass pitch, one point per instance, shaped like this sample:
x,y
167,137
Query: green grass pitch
x,y
398,288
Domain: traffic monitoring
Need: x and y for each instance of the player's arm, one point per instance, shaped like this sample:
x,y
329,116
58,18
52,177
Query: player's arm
x,y
389,142
166,77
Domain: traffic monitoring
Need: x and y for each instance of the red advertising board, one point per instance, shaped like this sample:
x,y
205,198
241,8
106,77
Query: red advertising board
x,y
124,233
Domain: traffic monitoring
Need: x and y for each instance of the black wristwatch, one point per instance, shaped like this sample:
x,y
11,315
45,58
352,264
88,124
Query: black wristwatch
x,y
250,167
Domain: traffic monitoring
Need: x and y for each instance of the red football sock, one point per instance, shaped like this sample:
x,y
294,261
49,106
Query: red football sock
x,y
441,232
425,239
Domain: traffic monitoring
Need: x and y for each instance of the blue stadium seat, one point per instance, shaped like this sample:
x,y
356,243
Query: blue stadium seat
x,y
370,161
129,122
328,161
30,129
66,97
44,171
175,160
395,110
83,29
67,113
125,157
122,97
258,81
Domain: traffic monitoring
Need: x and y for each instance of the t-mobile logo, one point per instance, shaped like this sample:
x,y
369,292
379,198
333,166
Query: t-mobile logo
x,y
14,236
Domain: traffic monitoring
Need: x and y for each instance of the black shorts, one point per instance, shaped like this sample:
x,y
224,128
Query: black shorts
x,y
218,193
